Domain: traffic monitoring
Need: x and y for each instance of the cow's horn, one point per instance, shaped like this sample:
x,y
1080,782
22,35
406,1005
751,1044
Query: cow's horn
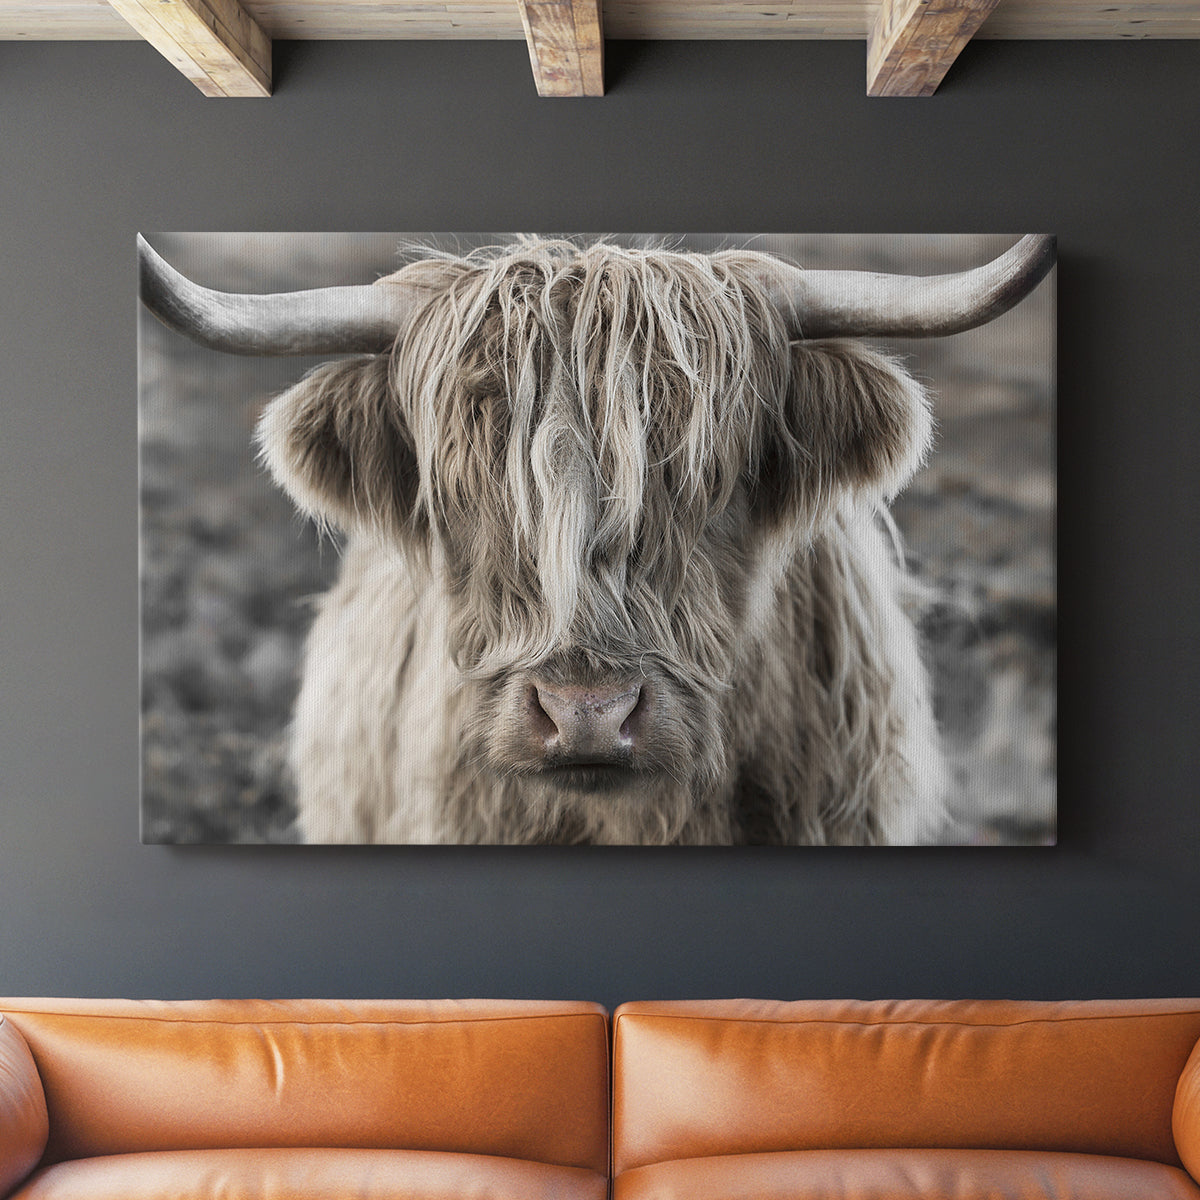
x,y
821,304
334,320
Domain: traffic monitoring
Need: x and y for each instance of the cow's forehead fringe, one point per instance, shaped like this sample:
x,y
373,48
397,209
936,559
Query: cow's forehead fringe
x,y
573,405
630,358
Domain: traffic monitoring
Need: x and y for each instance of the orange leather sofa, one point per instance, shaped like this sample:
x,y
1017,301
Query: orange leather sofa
x,y
509,1100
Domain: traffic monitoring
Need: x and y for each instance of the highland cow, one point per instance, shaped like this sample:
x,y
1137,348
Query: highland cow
x,y
618,564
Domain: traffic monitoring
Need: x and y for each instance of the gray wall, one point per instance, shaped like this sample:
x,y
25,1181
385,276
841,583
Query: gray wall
x,y
1094,141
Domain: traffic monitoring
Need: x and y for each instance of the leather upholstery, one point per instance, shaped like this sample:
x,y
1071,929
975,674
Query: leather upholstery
x,y
311,1175
525,1080
508,1100
743,1077
907,1175
1185,1120
23,1124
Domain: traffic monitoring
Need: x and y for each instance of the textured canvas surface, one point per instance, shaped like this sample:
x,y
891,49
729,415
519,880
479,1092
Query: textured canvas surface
x,y
230,572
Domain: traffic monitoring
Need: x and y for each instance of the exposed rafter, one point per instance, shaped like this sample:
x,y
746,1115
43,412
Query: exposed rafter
x,y
215,43
913,43
566,46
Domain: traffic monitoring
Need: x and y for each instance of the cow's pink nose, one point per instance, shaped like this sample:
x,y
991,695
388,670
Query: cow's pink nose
x,y
586,723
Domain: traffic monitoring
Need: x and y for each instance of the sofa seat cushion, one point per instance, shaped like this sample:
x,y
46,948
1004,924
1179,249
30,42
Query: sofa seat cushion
x,y
906,1175
304,1174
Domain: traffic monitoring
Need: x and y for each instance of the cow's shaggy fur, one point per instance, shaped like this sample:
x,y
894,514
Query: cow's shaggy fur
x,y
596,464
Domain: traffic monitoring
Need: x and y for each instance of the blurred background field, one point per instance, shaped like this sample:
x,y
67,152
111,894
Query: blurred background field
x,y
228,571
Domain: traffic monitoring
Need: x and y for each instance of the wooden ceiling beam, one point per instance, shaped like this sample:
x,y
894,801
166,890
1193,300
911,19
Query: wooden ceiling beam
x,y
566,46
215,43
913,43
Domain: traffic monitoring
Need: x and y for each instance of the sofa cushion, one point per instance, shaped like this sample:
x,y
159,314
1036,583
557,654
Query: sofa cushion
x,y
310,1175
907,1175
514,1079
723,1077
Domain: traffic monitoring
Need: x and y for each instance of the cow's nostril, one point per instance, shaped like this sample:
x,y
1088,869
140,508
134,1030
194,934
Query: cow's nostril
x,y
542,722
631,726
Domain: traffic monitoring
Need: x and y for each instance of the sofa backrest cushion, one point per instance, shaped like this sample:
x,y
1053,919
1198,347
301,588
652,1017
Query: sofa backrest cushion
x,y
517,1079
736,1077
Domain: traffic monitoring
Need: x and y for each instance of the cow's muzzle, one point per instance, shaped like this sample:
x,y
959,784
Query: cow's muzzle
x,y
587,735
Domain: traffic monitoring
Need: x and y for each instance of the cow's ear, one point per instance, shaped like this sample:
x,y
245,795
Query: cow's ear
x,y
851,420
337,444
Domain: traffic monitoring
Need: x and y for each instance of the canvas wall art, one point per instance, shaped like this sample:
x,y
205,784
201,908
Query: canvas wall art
x,y
569,539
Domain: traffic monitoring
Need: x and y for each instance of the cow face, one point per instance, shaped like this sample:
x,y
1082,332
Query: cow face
x,y
608,460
